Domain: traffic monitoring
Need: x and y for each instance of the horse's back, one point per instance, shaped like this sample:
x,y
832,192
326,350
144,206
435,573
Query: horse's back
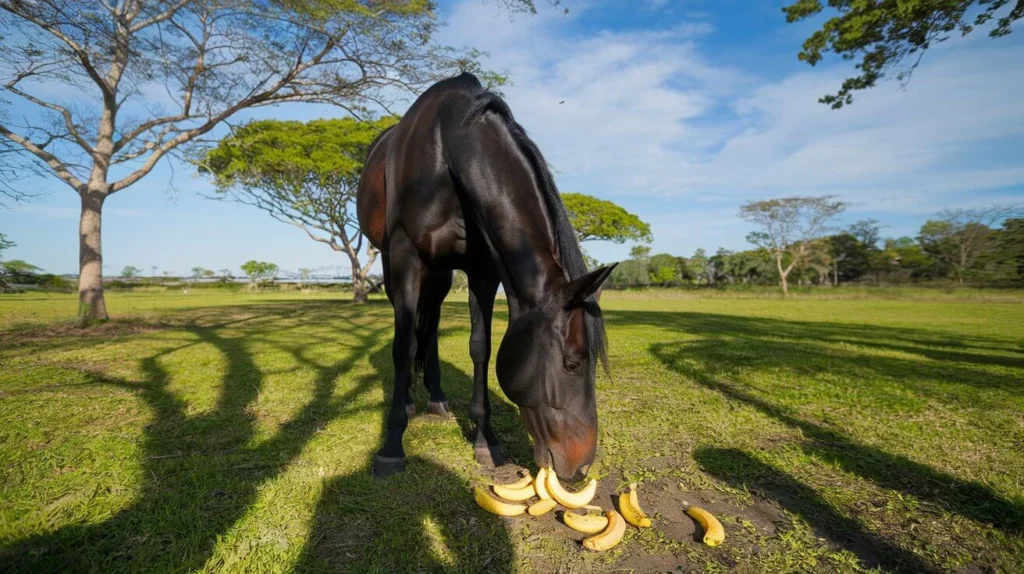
x,y
407,188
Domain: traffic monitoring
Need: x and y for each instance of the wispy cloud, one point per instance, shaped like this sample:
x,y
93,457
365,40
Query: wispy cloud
x,y
646,115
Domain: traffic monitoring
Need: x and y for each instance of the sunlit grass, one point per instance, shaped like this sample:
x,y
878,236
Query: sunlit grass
x,y
233,431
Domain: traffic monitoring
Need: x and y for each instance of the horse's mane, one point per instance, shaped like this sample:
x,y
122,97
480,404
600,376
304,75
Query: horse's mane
x,y
570,254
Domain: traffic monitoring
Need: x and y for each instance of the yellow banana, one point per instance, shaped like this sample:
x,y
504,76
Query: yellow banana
x,y
629,506
495,506
523,482
585,523
541,507
610,536
538,484
516,494
566,498
714,534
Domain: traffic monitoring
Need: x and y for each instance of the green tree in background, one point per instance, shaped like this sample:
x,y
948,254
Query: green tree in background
x,y
958,237
259,272
892,35
789,226
667,270
130,272
303,174
5,273
850,257
697,266
601,220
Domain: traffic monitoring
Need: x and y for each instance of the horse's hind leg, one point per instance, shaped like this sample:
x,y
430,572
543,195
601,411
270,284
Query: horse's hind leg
x,y
432,295
385,257
482,289
406,275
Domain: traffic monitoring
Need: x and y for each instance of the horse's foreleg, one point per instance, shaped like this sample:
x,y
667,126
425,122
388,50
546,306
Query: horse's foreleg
x,y
481,306
406,278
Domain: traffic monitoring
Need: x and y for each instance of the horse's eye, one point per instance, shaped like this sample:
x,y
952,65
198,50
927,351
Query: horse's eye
x,y
571,366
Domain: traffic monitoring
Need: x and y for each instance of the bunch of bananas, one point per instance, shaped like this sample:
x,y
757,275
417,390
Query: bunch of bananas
x,y
605,527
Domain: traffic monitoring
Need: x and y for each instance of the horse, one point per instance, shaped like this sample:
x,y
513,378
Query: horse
x,y
458,184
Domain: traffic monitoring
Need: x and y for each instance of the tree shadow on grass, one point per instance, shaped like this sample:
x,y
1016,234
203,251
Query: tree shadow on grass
x,y
200,474
742,470
946,357
734,346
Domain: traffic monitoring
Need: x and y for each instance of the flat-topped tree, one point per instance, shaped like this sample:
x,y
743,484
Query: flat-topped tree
x,y
596,219
303,174
117,60
790,227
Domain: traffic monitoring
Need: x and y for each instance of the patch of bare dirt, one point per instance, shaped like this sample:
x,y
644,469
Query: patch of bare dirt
x,y
109,329
666,503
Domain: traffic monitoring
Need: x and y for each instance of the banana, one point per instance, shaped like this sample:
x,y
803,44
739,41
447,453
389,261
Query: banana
x,y
541,507
495,506
714,534
516,494
523,482
566,498
629,506
538,484
585,523
610,536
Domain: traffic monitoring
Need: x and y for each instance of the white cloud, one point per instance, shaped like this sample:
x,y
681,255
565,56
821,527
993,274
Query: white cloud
x,y
646,115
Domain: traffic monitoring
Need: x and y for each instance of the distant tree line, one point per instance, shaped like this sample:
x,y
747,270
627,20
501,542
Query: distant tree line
x,y
982,247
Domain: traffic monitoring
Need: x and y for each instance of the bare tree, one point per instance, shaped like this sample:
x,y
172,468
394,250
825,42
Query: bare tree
x,y
144,77
789,227
958,236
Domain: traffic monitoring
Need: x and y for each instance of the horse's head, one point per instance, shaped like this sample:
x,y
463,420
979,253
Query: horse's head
x,y
546,365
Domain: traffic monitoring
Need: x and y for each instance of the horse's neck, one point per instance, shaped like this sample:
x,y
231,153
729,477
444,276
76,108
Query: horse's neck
x,y
524,252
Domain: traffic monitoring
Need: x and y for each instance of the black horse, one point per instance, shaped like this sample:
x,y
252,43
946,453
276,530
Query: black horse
x,y
457,184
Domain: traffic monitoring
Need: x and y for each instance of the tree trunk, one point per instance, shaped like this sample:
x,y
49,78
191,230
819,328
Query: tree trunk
x,y
782,275
91,306
360,286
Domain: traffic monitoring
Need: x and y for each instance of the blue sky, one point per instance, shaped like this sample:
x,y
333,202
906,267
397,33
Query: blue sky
x,y
678,110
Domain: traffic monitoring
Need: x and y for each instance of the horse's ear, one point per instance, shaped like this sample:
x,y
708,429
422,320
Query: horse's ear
x,y
578,290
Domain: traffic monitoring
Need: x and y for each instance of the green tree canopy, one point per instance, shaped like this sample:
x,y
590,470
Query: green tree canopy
x,y
304,174
327,153
601,220
892,35
259,271
130,271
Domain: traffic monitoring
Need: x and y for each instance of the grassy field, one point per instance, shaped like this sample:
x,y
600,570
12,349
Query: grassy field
x,y
233,432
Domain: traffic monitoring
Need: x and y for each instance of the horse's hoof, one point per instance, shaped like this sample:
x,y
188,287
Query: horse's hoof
x,y
489,456
440,408
385,466
410,409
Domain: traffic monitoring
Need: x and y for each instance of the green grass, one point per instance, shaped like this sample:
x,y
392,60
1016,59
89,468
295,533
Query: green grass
x,y
233,432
